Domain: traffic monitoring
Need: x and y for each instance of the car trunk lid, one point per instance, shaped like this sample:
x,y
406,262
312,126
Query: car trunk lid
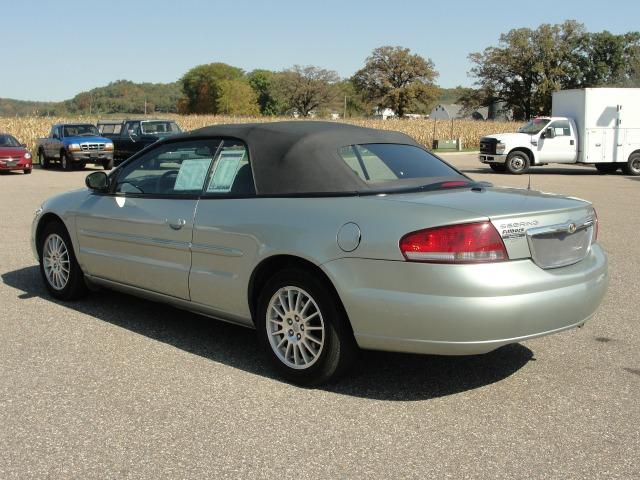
x,y
551,229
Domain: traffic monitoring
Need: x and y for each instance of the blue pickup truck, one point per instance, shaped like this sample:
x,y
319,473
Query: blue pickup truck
x,y
74,145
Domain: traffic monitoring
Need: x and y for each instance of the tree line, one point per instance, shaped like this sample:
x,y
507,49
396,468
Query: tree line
x,y
519,73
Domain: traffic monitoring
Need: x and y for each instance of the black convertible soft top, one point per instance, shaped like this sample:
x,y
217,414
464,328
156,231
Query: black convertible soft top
x,y
298,157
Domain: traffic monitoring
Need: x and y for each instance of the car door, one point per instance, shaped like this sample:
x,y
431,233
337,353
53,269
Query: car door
x,y
52,144
140,233
562,147
225,245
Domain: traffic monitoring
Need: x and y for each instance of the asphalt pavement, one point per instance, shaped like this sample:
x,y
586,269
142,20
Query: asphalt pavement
x,y
117,387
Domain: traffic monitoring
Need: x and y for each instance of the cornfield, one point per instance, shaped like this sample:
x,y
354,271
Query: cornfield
x,y
29,129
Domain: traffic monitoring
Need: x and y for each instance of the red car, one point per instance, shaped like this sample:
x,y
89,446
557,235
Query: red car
x,y
14,155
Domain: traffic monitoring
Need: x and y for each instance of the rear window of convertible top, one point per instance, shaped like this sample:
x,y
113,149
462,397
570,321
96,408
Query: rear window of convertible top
x,y
386,163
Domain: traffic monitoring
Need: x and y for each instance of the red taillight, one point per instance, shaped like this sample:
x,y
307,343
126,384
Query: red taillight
x,y
465,243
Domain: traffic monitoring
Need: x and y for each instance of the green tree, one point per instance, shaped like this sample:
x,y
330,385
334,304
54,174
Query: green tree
x,y
263,84
236,97
395,78
306,88
201,85
528,65
608,59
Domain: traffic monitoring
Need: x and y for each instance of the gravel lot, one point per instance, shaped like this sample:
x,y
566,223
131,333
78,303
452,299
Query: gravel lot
x,y
117,387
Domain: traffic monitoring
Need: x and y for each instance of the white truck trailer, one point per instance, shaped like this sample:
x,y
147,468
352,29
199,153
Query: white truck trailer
x,y
598,126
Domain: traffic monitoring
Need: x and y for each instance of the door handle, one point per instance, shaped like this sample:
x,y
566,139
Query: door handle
x,y
619,144
571,142
598,144
175,224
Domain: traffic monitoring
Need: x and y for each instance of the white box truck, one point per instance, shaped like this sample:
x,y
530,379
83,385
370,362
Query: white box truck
x,y
598,126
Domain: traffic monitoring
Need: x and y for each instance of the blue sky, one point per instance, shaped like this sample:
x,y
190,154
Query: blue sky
x,y
52,50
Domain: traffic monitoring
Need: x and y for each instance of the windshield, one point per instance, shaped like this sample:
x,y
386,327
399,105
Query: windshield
x,y
534,126
8,141
399,166
160,128
80,131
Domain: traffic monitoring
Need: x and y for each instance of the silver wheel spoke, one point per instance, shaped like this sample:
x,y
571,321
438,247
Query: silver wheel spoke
x,y
289,314
56,262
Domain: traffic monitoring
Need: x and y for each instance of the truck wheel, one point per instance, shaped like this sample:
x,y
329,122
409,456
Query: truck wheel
x,y
517,163
498,167
108,164
66,162
43,160
632,167
605,168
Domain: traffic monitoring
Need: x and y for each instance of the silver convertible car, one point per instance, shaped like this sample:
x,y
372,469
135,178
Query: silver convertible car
x,y
326,237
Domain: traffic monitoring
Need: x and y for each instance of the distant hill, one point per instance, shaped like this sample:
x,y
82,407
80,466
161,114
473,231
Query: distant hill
x,y
124,96
12,108
121,96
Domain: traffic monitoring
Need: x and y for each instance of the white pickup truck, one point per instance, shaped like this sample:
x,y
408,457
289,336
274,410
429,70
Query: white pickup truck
x,y
598,126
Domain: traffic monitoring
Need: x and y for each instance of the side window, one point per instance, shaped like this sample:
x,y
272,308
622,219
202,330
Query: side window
x,y
231,173
133,128
176,168
561,128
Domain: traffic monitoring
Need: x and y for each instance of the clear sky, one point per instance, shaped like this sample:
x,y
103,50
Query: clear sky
x,y
51,50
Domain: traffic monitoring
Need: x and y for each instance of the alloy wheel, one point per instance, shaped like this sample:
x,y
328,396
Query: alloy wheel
x,y
295,327
55,258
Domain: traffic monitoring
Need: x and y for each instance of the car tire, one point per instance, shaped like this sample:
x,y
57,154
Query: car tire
x,y
605,168
517,163
303,328
27,171
59,267
65,161
80,165
107,164
43,159
632,167
498,167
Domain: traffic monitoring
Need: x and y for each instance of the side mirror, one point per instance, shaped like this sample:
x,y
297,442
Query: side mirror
x,y
55,135
23,145
97,181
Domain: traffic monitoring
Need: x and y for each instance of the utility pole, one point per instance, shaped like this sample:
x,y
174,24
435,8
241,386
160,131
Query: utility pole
x,y
344,115
145,105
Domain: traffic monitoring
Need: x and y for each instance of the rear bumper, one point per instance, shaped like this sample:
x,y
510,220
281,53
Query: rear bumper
x,y
464,309
492,158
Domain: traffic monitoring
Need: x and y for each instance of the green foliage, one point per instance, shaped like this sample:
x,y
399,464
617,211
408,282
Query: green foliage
x,y
19,108
201,85
236,97
124,96
263,83
395,78
304,89
528,65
